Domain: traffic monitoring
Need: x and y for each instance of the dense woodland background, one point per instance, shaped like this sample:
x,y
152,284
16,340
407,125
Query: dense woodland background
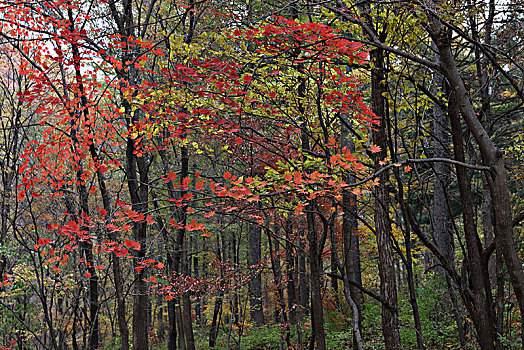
x,y
261,174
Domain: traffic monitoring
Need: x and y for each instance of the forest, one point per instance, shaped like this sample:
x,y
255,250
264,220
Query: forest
x,y
275,174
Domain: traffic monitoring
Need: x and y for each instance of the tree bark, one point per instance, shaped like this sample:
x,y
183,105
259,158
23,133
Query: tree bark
x,y
491,156
480,307
388,285
255,285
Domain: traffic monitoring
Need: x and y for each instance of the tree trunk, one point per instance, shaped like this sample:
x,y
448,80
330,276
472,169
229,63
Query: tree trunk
x,y
388,285
255,285
491,156
481,307
138,190
351,252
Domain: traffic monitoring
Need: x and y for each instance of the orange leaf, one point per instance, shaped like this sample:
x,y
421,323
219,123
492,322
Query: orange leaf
x,y
194,226
134,245
185,182
299,208
374,149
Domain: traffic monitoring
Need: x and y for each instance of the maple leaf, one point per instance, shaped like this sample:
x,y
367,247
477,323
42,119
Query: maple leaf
x,y
121,252
194,226
298,177
151,279
43,241
171,176
139,217
150,220
132,244
407,168
288,177
185,182
374,149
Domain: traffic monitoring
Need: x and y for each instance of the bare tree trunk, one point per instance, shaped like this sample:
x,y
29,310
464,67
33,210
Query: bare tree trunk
x,y
318,335
277,276
481,307
351,252
388,285
303,278
255,285
491,156
138,190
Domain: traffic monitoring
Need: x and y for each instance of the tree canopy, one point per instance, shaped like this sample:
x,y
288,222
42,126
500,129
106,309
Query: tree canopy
x,y
261,175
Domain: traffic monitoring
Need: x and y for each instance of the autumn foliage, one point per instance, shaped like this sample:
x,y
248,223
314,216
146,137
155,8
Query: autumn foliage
x,y
176,169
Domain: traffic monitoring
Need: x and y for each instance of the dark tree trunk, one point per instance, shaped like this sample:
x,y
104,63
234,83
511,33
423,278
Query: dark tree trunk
x,y
388,285
138,190
303,278
276,267
292,298
317,312
491,156
351,252
180,254
481,307
318,335
255,285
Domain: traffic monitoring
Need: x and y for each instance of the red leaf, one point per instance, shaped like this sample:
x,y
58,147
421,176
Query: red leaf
x,y
194,226
132,244
44,241
121,252
299,208
374,149
171,176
